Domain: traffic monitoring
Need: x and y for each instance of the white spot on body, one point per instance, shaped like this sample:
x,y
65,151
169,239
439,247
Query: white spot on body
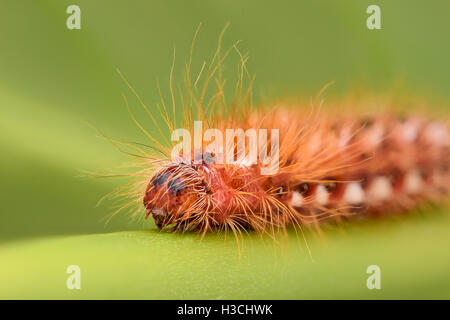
x,y
297,199
380,189
409,131
375,135
413,182
322,195
354,193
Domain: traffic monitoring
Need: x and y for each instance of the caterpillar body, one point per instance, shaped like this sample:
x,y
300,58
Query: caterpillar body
x,y
328,167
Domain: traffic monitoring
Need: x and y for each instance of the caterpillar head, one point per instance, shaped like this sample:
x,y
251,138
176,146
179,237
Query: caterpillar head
x,y
172,193
198,197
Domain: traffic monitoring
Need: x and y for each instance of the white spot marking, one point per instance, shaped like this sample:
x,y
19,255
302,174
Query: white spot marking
x,y
297,199
375,136
409,131
413,182
380,189
354,193
322,195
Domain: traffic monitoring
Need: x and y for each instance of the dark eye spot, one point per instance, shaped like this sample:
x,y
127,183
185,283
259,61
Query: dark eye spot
x,y
159,180
364,182
330,186
175,186
395,177
303,188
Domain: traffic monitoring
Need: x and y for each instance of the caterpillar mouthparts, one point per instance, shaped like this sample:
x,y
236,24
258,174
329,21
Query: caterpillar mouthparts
x,y
327,168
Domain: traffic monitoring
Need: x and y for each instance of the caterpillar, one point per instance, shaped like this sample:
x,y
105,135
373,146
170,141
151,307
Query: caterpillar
x,y
330,165
327,167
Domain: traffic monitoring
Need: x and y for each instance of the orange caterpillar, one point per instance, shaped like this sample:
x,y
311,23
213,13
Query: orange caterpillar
x,y
327,167
330,164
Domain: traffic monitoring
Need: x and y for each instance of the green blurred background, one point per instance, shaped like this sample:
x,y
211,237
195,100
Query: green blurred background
x,y
54,81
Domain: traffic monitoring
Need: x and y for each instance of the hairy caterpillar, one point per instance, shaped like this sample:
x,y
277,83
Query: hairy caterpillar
x,y
329,165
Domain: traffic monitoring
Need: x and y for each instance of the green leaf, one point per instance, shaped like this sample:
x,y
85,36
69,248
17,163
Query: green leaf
x,y
411,251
